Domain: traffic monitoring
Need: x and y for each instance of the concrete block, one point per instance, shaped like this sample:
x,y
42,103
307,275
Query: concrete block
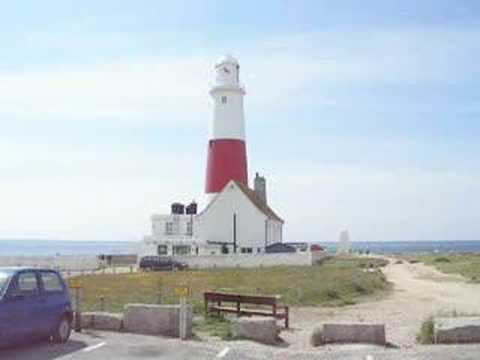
x,y
87,320
354,333
256,328
102,321
456,330
156,319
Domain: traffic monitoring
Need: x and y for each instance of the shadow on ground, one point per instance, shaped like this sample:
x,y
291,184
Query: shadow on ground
x,y
41,350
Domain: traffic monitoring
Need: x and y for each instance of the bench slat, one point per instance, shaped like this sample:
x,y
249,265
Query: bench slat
x,y
247,311
251,299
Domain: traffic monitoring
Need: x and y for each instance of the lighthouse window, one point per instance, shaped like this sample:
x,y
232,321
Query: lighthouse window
x,y
224,99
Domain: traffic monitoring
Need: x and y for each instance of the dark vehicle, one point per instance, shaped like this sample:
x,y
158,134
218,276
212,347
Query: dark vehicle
x,y
159,263
34,304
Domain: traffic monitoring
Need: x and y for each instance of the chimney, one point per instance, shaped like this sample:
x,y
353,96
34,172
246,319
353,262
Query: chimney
x,y
260,188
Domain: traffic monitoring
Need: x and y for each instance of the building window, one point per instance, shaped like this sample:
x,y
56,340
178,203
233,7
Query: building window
x,y
259,250
225,249
181,250
224,99
169,228
248,250
162,250
189,228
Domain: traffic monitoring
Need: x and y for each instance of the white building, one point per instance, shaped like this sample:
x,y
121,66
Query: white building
x,y
236,219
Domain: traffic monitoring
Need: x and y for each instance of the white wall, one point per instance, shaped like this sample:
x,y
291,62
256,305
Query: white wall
x,y
179,225
216,223
251,260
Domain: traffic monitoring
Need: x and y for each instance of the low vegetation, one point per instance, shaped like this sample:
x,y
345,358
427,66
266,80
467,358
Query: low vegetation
x,y
467,265
426,334
317,338
336,282
215,326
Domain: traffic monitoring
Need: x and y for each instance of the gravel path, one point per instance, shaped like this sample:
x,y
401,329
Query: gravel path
x,y
419,291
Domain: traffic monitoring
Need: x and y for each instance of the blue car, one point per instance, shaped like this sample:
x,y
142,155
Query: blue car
x,y
34,303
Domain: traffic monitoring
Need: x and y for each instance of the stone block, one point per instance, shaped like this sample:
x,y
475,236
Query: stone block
x,y
354,333
102,321
87,320
457,330
156,319
260,329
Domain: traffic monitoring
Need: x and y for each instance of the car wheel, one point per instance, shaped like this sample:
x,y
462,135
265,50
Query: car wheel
x,y
63,330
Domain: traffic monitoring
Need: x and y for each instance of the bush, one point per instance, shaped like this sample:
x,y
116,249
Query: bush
x,y
441,259
426,335
316,338
333,294
359,288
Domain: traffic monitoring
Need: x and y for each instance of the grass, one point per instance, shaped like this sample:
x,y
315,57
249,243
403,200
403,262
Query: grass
x,y
336,282
467,265
426,334
215,326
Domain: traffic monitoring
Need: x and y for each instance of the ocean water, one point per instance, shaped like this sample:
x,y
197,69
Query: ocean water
x,y
60,247
54,247
395,247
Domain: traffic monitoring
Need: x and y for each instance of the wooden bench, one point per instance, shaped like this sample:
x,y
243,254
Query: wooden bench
x,y
214,302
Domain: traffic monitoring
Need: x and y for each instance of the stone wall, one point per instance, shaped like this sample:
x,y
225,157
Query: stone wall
x,y
251,260
156,319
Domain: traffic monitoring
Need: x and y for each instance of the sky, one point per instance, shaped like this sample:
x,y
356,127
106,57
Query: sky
x,y
362,115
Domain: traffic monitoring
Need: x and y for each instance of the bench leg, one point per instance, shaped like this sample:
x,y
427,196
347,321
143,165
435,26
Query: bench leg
x,y
287,314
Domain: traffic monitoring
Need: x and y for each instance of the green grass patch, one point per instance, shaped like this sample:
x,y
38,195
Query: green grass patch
x,y
467,265
336,282
214,326
426,334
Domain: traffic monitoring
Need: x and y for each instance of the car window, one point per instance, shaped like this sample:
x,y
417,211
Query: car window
x,y
4,277
51,282
27,283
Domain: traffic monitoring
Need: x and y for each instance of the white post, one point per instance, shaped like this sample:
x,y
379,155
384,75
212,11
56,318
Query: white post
x,y
183,319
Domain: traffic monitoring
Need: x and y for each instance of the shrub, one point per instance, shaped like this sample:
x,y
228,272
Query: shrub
x,y
359,288
316,338
333,294
426,334
441,259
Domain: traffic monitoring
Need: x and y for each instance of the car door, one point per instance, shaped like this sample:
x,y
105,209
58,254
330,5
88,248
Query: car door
x,y
22,305
53,297
11,315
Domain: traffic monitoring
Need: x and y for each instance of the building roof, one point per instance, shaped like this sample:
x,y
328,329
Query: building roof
x,y
250,194
263,207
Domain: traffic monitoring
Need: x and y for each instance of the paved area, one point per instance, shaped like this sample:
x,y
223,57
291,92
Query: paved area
x,y
118,346
112,346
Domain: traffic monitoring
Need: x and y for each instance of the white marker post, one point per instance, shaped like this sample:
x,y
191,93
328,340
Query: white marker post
x,y
182,292
183,318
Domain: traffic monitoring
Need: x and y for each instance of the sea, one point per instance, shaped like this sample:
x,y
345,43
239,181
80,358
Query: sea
x,y
63,247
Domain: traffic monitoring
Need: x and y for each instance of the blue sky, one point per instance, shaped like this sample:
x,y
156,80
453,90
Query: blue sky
x,y
362,115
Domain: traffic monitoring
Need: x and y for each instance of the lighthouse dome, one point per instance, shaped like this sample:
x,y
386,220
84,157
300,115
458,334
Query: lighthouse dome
x,y
227,59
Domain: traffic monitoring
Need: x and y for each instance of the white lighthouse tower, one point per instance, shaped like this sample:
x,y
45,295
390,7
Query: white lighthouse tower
x,y
227,155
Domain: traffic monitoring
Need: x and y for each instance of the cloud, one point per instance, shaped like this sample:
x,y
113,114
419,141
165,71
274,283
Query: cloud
x,y
79,190
174,89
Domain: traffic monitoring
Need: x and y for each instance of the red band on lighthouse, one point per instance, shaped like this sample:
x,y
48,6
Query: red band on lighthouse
x,y
227,160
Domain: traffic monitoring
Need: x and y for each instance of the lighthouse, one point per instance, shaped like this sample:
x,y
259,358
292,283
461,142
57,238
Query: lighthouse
x,y
227,154
234,219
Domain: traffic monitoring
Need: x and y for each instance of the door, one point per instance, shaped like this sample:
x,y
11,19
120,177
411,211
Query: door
x,y
22,307
54,298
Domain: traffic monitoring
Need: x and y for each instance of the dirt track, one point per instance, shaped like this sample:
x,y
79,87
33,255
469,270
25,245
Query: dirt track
x,y
419,291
